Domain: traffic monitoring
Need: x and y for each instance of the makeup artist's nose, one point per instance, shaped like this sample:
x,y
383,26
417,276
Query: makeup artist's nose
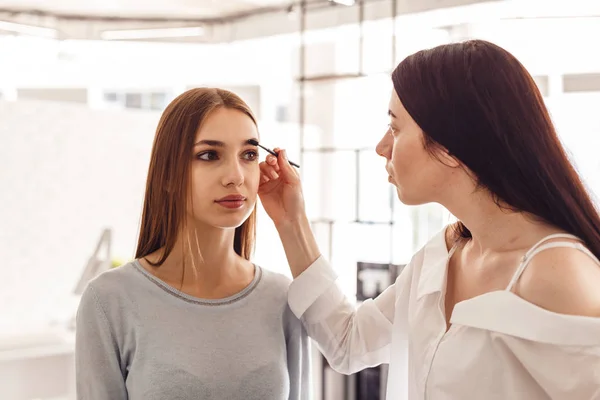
x,y
384,147
234,174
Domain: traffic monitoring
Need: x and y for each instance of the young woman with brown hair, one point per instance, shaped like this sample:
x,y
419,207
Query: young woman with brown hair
x,y
192,317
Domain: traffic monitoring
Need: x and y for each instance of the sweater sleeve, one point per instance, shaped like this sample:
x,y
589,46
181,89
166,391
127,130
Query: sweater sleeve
x,y
298,358
99,375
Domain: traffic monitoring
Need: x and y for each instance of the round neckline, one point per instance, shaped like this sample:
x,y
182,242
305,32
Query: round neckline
x,y
198,300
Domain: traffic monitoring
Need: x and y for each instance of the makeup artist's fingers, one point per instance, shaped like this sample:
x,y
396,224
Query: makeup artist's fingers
x,y
277,150
267,172
264,178
263,170
267,183
272,160
286,169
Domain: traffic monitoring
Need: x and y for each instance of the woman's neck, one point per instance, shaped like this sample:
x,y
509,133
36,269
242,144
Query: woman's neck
x,y
203,263
497,228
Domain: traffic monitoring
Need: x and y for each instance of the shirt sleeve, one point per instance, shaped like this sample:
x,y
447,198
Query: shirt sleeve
x,y
351,338
562,371
97,360
298,359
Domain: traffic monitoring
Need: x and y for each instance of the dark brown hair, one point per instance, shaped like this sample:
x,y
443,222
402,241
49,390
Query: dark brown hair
x,y
479,103
167,187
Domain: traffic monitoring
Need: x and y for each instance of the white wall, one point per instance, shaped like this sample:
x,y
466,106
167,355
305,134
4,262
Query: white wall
x,y
67,172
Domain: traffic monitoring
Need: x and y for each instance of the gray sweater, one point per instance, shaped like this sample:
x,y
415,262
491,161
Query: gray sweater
x,y
140,339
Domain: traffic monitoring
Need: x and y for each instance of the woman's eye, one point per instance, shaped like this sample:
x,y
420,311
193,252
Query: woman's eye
x,y
207,156
251,155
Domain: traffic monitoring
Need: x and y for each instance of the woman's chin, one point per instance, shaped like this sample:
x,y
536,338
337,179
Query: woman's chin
x,y
228,222
407,199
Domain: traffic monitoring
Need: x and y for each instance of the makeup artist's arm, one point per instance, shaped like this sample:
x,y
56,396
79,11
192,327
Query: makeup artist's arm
x,y
281,195
351,338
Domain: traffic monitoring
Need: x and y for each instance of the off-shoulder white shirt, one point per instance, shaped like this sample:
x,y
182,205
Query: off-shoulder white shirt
x,y
499,346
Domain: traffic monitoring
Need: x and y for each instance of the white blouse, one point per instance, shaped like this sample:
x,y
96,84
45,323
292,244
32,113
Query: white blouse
x,y
499,346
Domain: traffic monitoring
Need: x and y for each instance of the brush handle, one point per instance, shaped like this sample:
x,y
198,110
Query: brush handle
x,y
268,150
293,164
277,155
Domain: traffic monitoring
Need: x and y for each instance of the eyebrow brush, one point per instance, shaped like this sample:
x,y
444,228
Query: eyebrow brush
x,y
255,143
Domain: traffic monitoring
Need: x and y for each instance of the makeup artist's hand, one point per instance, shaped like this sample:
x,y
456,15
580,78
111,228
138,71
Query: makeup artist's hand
x,y
280,189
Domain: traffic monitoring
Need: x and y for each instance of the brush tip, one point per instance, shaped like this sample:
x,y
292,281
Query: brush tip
x,y
253,142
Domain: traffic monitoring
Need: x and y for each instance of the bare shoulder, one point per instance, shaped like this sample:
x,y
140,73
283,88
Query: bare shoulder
x,y
564,280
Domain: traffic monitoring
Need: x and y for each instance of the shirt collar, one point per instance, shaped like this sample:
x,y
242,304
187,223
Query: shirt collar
x,y
435,263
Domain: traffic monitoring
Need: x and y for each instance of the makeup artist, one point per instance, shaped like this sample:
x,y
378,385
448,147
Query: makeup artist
x,y
505,303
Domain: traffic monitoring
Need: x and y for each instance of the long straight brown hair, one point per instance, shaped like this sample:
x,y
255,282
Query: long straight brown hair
x,y
168,183
477,101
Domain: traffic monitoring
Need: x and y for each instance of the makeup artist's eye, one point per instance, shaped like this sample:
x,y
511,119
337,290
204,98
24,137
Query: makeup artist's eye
x,y
251,155
392,130
207,155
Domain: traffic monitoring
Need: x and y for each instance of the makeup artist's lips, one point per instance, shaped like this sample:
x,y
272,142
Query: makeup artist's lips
x,y
232,201
390,179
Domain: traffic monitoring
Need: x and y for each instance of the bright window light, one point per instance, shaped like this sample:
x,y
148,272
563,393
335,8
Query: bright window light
x,y
28,29
344,2
131,34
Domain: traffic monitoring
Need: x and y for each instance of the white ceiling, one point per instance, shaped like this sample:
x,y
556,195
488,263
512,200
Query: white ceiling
x,y
141,8
220,20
